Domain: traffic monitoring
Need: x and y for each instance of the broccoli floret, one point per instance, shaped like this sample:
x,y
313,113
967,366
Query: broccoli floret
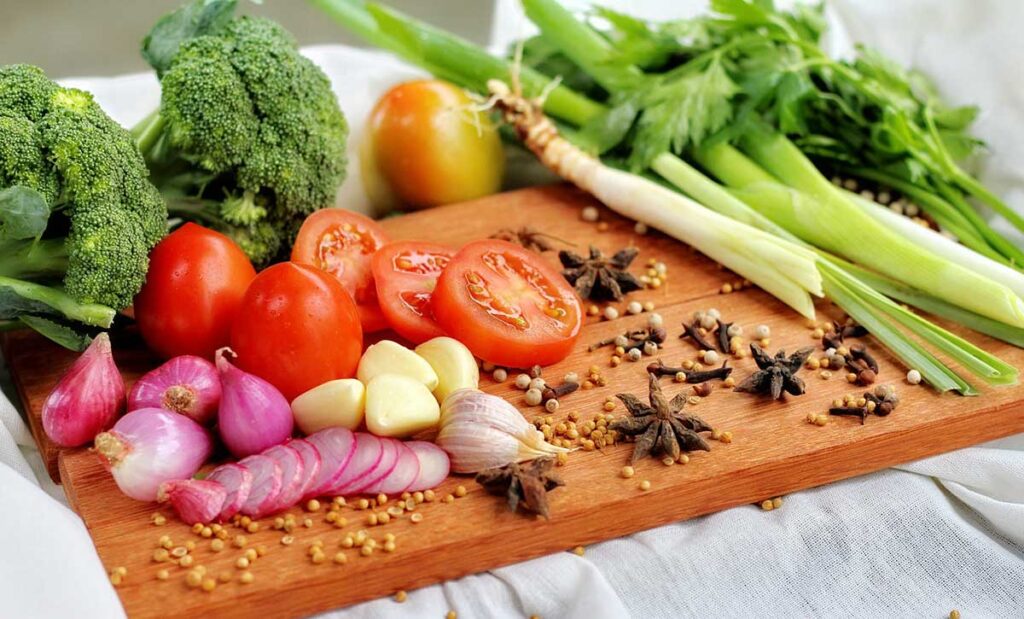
x,y
66,165
245,122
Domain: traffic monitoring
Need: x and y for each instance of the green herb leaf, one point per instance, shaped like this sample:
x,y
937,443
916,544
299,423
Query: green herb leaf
x,y
191,20
62,334
23,213
608,130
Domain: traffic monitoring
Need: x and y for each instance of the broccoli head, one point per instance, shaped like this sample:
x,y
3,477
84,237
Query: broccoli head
x,y
75,201
246,125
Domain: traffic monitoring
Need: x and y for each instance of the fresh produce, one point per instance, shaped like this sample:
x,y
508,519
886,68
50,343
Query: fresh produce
x,y
293,475
312,462
336,448
388,357
508,305
194,287
334,403
480,431
342,243
267,481
186,384
398,405
195,500
405,274
428,145
297,328
150,446
87,399
77,213
453,363
434,465
688,109
248,138
253,414
237,483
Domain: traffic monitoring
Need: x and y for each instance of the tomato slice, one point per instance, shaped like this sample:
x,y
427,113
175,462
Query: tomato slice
x,y
406,273
508,305
342,243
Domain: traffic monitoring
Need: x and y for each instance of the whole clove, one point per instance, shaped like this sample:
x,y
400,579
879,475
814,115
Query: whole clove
x,y
850,411
553,393
637,338
692,331
693,377
860,352
723,336
882,401
529,238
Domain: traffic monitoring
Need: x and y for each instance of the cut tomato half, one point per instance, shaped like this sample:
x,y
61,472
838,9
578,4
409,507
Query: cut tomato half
x,y
508,305
342,243
405,273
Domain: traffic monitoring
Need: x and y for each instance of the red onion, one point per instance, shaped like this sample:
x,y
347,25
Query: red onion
x,y
253,414
187,384
150,446
195,500
237,481
88,398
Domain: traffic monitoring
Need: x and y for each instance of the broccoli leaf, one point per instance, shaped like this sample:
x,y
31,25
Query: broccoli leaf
x,y
18,297
199,18
23,213
62,334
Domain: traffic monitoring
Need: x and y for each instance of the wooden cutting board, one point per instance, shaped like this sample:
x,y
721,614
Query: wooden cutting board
x,y
774,450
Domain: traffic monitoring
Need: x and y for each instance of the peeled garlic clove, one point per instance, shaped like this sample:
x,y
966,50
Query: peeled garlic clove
x,y
397,406
387,357
454,365
334,403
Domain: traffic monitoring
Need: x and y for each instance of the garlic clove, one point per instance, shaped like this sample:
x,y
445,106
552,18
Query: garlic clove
x,y
473,448
335,403
387,357
455,366
397,406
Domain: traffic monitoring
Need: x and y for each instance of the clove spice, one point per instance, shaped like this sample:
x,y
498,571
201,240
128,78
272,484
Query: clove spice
x,y
553,393
723,336
692,331
693,377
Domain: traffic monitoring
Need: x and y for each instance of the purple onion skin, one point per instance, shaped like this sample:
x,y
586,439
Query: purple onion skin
x,y
87,399
186,384
253,414
150,446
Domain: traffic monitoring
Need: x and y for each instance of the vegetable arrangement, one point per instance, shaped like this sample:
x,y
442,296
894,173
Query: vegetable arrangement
x,y
744,117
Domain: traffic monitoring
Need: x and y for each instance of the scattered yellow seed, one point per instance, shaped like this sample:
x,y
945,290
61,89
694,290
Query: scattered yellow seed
x,y
225,576
186,561
163,575
252,527
193,578
197,528
578,551
206,532
190,545
287,540
251,554
448,498
729,382
240,541
668,461
954,614
244,521
246,578
179,551
166,542
726,288
812,364
851,378
817,334
683,459
209,584
726,437
645,485
602,226
242,563
366,551
382,499
451,615
159,520
416,518
777,502
217,545
318,557
825,374
767,505
389,546
308,523
123,571
160,555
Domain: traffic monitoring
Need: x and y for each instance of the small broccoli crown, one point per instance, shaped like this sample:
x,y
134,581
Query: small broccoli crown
x,y
242,210
68,149
261,241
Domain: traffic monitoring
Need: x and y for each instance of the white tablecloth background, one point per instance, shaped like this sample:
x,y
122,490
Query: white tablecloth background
x,y
916,541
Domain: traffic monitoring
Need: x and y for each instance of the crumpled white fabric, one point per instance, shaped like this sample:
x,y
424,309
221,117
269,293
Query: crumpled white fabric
x,y
941,533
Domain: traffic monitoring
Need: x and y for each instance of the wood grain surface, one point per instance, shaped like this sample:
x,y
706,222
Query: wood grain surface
x,y
774,450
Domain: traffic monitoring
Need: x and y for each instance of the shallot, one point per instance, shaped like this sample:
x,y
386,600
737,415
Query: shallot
x,y
150,446
253,414
195,500
88,398
186,384
237,482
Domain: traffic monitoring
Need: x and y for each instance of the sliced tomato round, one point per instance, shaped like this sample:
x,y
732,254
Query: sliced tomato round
x,y
405,273
342,243
508,305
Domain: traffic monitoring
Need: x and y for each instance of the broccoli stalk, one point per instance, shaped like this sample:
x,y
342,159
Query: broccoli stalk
x,y
248,138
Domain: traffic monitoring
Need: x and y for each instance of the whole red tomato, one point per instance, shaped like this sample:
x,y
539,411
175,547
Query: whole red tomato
x,y
297,328
193,289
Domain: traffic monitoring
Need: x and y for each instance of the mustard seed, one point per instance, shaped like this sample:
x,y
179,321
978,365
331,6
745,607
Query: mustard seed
x,y
416,518
209,584
401,596
645,485
163,575
578,551
460,490
246,578
193,578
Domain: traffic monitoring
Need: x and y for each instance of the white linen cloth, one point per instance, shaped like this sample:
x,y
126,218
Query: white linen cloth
x,y
941,533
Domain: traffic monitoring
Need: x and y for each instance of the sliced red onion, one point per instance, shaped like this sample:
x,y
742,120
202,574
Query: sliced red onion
x,y
237,482
266,485
388,460
87,399
150,446
367,454
187,384
253,414
311,463
293,478
195,500
336,447
434,465
406,470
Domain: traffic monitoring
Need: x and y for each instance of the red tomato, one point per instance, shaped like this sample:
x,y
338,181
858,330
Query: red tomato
x,y
508,305
406,273
193,289
342,242
297,328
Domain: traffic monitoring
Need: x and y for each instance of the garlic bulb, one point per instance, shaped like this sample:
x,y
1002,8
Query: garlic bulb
x,y
481,431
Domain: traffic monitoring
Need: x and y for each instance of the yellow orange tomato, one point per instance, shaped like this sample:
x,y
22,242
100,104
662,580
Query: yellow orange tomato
x,y
427,146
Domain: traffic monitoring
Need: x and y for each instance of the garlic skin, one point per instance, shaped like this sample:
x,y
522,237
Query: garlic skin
x,y
88,398
481,431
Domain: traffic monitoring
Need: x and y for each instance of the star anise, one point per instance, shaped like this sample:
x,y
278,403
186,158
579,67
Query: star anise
x,y
660,427
598,278
524,485
529,238
776,374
